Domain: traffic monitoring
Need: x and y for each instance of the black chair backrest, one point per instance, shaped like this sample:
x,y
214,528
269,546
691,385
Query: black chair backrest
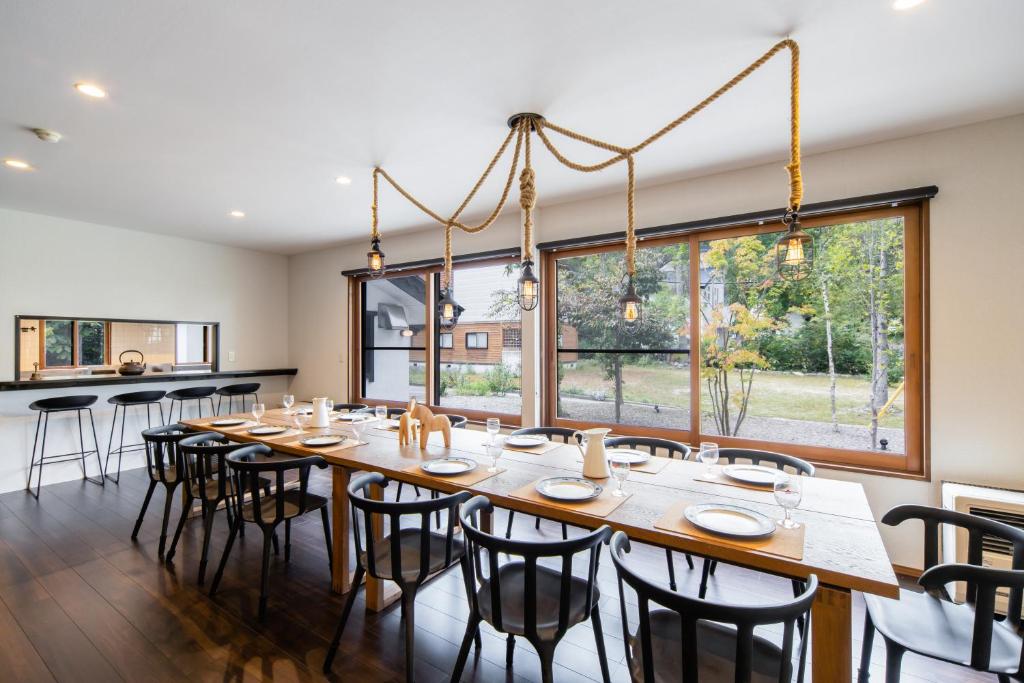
x,y
563,433
246,472
458,421
205,457
779,460
674,449
483,568
369,511
163,458
982,582
394,412
692,609
351,407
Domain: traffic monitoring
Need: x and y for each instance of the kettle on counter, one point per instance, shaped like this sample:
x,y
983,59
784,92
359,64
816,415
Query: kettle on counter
x,y
131,367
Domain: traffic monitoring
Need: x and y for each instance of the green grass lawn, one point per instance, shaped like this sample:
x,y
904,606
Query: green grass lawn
x,y
774,394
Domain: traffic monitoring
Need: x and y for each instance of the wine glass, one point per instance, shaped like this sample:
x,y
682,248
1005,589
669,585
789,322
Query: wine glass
x,y
381,413
330,406
493,427
788,494
494,450
257,411
298,422
709,456
288,400
618,463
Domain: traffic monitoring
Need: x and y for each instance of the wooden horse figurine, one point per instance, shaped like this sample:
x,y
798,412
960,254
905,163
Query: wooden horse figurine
x,y
406,425
428,422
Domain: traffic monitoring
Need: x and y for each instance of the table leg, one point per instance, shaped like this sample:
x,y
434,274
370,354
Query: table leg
x,y
341,580
831,639
379,592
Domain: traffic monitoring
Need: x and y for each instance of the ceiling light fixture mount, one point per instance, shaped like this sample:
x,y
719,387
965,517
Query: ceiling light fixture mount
x,y
343,180
237,214
523,126
18,164
91,90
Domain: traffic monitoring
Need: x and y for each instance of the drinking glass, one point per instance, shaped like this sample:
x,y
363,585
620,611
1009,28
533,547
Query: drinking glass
x,y
330,406
288,400
359,428
381,413
257,411
709,456
494,451
298,422
493,427
619,466
788,494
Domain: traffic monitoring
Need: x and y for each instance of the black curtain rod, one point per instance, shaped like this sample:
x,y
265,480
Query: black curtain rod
x,y
432,262
870,201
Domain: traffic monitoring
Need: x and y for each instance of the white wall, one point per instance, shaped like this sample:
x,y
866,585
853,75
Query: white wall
x,y
977,245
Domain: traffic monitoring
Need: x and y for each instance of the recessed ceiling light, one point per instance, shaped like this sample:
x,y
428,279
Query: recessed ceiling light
x,y
18,164
343,180
91,89
237,214
904,5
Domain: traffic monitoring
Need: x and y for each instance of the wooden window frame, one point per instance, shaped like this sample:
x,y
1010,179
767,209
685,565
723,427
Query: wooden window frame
x,y
432,347
75,351
913,463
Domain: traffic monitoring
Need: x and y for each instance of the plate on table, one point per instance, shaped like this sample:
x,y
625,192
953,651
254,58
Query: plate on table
x,y
302,410
730,520
322,441
572,489
448,467
267,430
526,440
757,475
633,456
353,417
228,422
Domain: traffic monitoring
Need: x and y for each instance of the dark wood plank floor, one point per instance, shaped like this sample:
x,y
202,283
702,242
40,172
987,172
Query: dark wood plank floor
x,y
80,602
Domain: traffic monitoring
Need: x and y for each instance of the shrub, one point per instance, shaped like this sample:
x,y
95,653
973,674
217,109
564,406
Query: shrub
x,y
501,379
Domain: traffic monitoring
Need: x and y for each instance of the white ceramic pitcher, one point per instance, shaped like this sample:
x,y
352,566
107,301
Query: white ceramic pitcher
x,y
595,458
320,417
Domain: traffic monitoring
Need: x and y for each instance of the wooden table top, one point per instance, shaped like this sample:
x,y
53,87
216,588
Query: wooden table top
x,y
842,543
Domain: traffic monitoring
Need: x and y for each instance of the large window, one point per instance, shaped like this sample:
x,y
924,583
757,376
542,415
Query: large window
x,y
829,368
466,371
73,343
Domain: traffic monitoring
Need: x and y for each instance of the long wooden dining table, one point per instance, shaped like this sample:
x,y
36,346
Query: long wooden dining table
x,y
842,544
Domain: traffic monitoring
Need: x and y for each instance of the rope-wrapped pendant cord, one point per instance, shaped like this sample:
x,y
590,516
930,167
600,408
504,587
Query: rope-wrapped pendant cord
x,y
527,180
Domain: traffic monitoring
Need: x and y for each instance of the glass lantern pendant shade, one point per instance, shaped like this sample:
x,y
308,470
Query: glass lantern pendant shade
x,y
630,308
448,311
794,252
529,287
375,258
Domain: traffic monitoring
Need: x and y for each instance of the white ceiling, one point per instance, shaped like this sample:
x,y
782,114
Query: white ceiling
x,y
258,104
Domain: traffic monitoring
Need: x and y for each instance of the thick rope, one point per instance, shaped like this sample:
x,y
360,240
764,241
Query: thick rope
x,y
527,195
374,231
630,216
446,277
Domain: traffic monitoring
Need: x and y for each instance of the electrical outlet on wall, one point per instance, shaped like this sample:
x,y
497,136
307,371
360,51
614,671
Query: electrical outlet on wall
x,y
231,356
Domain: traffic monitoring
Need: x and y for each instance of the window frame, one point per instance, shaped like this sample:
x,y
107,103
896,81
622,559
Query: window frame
x,y
451,340
75,344
476,337
913,463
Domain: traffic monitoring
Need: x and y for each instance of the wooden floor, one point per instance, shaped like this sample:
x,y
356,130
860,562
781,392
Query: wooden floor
x,y
80,602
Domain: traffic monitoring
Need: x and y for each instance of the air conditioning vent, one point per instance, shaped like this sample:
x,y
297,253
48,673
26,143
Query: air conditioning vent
x,y
997,545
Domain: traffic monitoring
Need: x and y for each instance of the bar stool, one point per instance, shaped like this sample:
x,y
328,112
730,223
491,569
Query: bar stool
x,y
196,394
124,401
240,390
63,404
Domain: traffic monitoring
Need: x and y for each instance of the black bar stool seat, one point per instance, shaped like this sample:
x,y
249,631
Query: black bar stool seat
x,y
196,394
63,404
125,401
239,390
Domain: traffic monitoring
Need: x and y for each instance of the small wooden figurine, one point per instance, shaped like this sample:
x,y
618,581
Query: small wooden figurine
x,y
428,422
406,425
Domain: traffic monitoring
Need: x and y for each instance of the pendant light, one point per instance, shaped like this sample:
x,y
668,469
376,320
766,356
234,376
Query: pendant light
x,y
448,310
794,252
375,257
529,287
631,308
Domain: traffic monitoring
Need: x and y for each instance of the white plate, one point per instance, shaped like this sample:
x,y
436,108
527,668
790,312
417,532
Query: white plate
x,y
634,456
756,475
448,466
526,440
568,488
353,417
227,422
729,520
322,441
267,430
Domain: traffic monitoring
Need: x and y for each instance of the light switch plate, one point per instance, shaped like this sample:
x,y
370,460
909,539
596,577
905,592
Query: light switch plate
x,y
231,356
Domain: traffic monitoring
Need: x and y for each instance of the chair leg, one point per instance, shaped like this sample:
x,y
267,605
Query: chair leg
x,y
32,466
265,573
224,556
333,649
110,441
714,566
565,532
865,650
536,524
42,455
671,569
207,532
547,661
689,560
595,617
704,573
472,628
186,507
142,512
102,479
277,546
219,399
893,661
508,528
409,605
168,502
287,540
398,493
325,517
510,650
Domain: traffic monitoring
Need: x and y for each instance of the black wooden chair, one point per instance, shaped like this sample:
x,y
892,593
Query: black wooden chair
x,y
409,555
696,640
458,421
781,462
524,597
564,434
931,625
164,466
655,446
351,407
205,460
269,511
239,390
